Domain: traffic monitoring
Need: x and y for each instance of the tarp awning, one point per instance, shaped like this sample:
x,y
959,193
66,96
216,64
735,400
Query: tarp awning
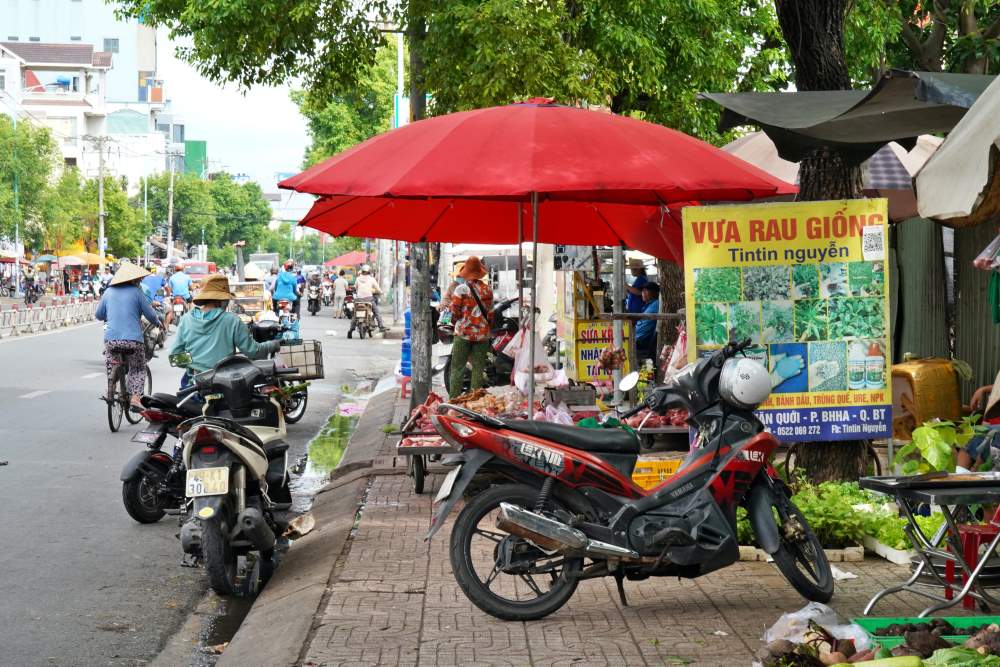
x,y
856,123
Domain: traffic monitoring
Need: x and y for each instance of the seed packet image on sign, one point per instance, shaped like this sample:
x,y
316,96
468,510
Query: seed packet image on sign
x,y
711,324
810,320
765,282
805,281
857,318
833,280
777,317
866,278
744,321
717,284
828,366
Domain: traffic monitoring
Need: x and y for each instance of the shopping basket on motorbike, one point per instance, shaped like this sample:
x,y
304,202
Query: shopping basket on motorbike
x,y
305,355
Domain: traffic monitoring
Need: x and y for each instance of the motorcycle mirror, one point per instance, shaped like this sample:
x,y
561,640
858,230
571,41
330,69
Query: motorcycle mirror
x,y
181,359
629,382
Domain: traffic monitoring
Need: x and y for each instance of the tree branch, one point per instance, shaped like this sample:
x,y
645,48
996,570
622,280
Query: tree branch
x,y
993,31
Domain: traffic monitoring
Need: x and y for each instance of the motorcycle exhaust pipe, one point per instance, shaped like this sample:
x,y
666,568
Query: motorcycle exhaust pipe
x,y
556,536
255,529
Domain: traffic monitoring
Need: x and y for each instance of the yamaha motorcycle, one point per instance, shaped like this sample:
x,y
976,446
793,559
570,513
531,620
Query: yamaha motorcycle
x,y
559,504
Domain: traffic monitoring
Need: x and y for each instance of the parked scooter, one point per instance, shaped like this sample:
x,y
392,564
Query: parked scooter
x,y
563,496
313,296
294,396
237,471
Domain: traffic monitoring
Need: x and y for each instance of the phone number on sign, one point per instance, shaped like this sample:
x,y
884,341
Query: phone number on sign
x,y
795,431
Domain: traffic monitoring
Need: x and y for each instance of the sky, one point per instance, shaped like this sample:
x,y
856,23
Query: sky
x,y
257,133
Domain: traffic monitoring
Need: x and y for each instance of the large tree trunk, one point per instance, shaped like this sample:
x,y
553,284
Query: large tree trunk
x,y
671,278
420,288
814,33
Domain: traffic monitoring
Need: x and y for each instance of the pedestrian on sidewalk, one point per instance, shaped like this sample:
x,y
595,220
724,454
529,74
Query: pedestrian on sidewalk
x,y
339,294
122,307
471,304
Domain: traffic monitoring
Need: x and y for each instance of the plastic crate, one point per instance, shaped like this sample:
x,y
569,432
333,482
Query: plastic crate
x,y
307,356
650,473
873,625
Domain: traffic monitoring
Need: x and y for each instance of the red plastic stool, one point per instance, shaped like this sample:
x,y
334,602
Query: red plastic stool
x,y
404,384
973,536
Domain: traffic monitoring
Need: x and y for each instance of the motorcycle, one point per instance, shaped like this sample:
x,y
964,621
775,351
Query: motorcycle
x,y
33,291
313,295
294,395
179,306
327,294
236,459
349,304
364,319
499,366
559,504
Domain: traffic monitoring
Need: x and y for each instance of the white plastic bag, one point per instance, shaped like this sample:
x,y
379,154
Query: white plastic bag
x,y
514,345
558,415
679,355
793,626
543,369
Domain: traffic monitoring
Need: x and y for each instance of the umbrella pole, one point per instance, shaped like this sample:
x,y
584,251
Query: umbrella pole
x,y
520,257
534,300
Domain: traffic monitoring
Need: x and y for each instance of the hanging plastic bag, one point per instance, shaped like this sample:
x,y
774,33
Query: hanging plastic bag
x,y
514,344
988,260
678,355
543,369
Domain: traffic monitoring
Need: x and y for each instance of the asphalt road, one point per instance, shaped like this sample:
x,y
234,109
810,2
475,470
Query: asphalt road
x,y
80,582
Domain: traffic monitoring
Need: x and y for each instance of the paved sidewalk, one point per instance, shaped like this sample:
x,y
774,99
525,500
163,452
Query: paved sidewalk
x,y
391,599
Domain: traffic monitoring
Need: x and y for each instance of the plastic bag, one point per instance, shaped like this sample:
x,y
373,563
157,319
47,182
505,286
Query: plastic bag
x,y
987,260
543,369
678,355
514,345
558,415
794,626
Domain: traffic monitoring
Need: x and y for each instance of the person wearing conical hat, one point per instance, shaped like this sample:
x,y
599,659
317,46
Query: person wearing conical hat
x,y
122,307
471,305
210,334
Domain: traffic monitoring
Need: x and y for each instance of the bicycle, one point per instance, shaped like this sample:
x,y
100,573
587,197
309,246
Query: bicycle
x,y
117,397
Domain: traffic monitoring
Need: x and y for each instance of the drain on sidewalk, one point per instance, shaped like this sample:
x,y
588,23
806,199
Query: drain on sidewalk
x,y
323,454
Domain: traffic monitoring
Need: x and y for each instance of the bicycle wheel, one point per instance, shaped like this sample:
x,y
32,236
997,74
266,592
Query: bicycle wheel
x,y
135,417
116,398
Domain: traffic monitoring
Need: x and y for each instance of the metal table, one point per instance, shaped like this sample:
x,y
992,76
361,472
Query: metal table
x,y
945,545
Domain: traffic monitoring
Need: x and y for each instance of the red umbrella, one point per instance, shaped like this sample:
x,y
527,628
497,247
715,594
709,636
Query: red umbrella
x,y
591,179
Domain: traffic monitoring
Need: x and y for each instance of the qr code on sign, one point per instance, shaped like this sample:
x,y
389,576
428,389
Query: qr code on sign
x,y
873,243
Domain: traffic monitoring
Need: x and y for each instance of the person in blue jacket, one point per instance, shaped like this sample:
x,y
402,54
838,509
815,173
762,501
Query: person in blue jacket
x,y
645,330
122,308
285,286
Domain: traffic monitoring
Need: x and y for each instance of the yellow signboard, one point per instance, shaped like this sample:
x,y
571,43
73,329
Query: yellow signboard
x,y
592,338
807,283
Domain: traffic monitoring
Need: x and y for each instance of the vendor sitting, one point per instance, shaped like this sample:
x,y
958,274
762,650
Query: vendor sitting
x,y
978,449
645,330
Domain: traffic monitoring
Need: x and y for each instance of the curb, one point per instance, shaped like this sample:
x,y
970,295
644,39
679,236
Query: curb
x,y
278,627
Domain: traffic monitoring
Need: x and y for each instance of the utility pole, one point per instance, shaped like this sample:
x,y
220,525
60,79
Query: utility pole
x,y
101,240
17,215
170,212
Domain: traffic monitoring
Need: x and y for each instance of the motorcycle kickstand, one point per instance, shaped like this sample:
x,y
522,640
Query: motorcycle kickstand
x,y
620,583
190,560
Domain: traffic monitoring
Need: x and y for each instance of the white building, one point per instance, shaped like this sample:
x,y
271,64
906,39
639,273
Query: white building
x,y
61,86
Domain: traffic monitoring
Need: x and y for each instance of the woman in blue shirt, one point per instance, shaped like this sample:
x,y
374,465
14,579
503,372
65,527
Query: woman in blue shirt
x,y
286,286
122,308
645,330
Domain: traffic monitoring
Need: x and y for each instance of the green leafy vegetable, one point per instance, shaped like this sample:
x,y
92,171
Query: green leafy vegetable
x,y
866,278
960,657
717,284
810,320
933,444
856,318
710,324
777,322
745,321
765,282
833,280
805,281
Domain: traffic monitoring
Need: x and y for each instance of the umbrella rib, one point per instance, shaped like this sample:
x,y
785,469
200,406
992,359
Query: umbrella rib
x,y
437,218
365,217
600,215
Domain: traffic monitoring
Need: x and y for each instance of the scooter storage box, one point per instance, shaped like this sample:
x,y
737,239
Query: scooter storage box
x,y
307,356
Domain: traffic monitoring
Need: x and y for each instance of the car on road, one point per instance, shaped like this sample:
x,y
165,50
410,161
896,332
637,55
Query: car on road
x,y
198,271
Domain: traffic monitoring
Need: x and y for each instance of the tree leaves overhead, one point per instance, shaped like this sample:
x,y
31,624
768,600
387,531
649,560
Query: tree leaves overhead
x,y
31,154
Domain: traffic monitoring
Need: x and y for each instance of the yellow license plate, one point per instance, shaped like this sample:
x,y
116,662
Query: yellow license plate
x,y
207,482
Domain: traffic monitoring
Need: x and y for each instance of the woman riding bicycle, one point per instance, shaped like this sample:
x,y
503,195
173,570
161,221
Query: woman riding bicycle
x,y
122,308
210,334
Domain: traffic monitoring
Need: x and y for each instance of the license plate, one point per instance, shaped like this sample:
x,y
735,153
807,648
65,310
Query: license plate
x,y
447,485
148,436
207,482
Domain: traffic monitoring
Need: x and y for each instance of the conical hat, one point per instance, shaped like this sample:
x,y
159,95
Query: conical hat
x,y
128,272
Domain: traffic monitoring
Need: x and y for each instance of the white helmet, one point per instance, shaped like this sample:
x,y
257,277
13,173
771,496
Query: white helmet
x,y
366,268
744,383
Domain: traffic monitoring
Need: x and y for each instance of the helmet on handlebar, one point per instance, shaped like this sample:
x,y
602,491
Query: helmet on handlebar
x,y
744,383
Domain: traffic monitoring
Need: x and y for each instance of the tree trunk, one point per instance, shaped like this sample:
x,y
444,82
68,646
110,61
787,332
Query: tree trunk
x,y
671,278
420,288
814,33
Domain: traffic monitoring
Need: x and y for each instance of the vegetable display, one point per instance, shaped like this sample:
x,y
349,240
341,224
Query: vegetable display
x,y
765,283
810,320
866,278
805,281
711,324
717,284
744,319
856,318
778,317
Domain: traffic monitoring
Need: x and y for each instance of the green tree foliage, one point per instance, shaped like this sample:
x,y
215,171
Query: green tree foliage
x,y
310,249
63,211
947,35
123,225
194,208
360,112
241,214
31,154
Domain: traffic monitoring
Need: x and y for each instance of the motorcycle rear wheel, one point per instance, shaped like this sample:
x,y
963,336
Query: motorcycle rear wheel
x,y
140,499
501,596
221,562
802,561
295,408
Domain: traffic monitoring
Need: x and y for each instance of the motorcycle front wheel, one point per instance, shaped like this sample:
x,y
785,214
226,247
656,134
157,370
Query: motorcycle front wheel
x,y
800,555
221,562
506,576
295,406
141,499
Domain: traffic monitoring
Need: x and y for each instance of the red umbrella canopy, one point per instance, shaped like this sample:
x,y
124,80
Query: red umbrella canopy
x,y
600,178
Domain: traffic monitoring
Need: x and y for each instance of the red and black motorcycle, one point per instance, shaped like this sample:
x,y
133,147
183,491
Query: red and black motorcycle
x,y
557,503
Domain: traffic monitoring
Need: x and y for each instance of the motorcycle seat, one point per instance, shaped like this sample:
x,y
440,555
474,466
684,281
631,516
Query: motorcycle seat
x,y
597,440
168,403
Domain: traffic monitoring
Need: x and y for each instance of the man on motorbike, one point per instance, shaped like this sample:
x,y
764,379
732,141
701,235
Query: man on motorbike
x,y
122,308
285,286
366,289
180,285
313,289
210,334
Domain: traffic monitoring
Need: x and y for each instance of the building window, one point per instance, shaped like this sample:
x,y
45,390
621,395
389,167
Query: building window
x,y
34,39
111,44
3,81
11,38
178,134
75,38
69,161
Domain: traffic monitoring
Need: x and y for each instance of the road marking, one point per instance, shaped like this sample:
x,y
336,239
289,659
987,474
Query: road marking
x,y
91,375
35,394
